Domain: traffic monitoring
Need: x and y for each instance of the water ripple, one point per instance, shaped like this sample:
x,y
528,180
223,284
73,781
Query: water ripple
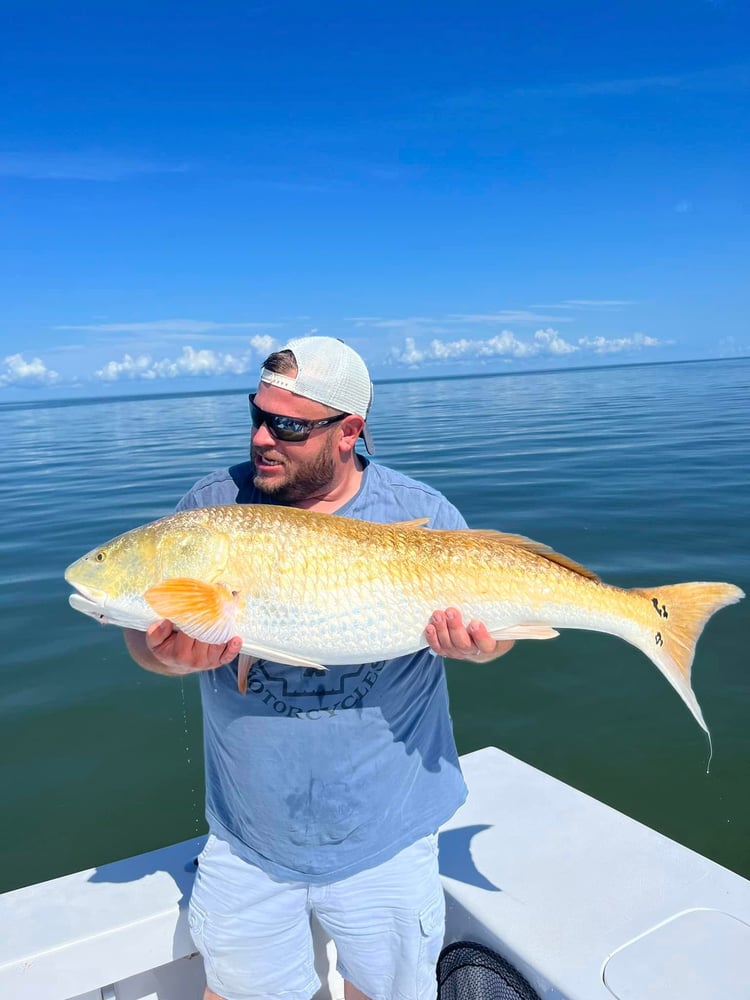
x,y
644,473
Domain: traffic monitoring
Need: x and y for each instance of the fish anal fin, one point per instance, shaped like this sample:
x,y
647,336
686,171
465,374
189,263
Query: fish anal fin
x,y
204,611
538,548
524,632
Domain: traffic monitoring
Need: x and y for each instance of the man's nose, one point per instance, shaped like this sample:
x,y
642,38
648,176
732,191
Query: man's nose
x,y
262,437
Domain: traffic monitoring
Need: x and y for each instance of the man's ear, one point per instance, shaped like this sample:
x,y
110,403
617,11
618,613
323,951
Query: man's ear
x,y
351,428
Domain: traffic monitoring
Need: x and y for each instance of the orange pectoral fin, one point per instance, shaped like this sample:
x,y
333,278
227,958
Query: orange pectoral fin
x,y
204,611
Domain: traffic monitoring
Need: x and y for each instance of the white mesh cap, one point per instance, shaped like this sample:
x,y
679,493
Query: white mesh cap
x,y
329,372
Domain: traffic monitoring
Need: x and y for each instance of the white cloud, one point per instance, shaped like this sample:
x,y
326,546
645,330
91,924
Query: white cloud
x,y
432,324
410,354
530,315
18,371
168,326
586,304
731,347
363,320
441,350
543,343
625,86
190,363
550,342
501,345
505,316
264,345
91,165
601,345
129,367
396,324
506,344
597,303
723,79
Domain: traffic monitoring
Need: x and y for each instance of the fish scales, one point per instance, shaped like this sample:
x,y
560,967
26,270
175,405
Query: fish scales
x,y
310,589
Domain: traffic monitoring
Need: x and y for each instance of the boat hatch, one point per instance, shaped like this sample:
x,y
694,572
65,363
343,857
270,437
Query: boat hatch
x,y
695,954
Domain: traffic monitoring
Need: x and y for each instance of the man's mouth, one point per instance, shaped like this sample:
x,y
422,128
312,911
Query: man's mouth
x,y
266,461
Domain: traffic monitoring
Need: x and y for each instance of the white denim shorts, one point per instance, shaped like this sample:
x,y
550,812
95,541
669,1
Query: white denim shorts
x,y
254,932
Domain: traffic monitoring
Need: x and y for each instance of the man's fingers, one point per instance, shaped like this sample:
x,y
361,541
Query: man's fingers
x,y
447,636
174,648
231,650
449,633
481,637
437,631
205,655
458,634
445,632
158,633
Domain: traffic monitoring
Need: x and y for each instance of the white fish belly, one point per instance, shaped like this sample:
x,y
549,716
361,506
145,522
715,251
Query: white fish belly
x,y
361,628
124,615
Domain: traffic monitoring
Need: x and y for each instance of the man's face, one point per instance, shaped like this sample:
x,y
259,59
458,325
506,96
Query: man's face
x,y
289,471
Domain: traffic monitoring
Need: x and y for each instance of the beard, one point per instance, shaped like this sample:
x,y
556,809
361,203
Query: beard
x,y
303,479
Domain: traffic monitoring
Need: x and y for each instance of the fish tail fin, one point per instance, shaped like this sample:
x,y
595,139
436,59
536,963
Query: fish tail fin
x,y
680,614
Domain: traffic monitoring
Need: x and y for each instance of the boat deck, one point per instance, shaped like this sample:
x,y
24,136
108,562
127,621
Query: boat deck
x,y
585,902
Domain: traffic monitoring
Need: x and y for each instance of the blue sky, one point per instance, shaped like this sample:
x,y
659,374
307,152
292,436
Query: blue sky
x,y
449,187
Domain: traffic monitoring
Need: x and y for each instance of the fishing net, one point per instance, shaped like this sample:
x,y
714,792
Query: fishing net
x,y
470,971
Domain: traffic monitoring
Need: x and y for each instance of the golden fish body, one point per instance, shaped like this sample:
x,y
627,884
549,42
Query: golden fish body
x,y
306,588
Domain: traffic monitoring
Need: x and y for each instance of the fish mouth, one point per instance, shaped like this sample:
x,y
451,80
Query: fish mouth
x,y
107,614
87,606
91,594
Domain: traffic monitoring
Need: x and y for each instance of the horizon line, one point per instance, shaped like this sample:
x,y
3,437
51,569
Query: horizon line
x,y
132,397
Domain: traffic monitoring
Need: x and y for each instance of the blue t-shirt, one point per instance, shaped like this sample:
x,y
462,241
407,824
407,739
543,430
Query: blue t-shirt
x,y
314,777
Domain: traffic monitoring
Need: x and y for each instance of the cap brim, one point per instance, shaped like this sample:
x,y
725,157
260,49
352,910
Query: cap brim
x,y
365,435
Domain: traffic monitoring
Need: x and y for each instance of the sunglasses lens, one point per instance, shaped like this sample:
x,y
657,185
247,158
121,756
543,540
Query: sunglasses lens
x,y
282,428
287,430
256,416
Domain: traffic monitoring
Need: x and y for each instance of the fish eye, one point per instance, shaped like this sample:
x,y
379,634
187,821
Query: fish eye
x,y
100,556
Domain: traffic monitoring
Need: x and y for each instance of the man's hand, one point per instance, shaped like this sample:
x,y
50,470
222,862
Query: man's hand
x,y
449,637
166,650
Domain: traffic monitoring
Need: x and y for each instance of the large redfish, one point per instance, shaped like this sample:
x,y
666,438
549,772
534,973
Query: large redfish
x,y
310,589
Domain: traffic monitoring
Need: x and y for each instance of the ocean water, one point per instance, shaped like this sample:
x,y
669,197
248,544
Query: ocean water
x,y
642,473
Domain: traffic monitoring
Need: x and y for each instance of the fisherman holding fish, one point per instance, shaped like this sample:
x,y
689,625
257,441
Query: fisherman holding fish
x,y
318,638
324,789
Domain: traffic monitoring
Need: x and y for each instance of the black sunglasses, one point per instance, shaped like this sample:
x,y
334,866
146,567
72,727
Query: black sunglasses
x,y
287,428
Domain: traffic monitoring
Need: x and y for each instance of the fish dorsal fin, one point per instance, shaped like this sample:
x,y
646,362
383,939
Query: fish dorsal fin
x,y
538,548
418,522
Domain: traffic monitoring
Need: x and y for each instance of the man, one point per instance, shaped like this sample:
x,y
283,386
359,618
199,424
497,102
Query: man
x,y
324,792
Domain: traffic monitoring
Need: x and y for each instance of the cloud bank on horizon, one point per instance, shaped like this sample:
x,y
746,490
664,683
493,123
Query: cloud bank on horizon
x,y
209,354
408,354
